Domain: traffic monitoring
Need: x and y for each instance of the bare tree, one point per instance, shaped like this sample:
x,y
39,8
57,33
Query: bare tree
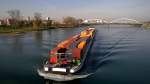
x,y
14,14
37,20
71,21
37,16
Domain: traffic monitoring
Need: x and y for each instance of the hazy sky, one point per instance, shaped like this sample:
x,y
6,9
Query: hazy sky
x,y
136,9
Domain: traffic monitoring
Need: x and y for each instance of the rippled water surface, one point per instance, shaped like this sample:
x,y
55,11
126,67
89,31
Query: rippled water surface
x,y
119,55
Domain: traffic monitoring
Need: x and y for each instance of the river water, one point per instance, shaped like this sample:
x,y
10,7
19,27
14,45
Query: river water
x,y
120,55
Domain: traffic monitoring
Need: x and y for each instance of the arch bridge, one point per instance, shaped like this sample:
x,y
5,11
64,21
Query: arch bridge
x,y
125,21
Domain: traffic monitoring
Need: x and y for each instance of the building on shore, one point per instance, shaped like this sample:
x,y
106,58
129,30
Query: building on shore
x,y
7,22
1,22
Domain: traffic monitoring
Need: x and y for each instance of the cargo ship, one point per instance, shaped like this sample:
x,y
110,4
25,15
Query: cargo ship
x,y
68,57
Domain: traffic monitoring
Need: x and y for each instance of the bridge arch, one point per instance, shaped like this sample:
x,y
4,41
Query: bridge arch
x,y
125,20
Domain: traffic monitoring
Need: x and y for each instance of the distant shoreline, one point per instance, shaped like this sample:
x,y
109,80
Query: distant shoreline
x,y
22,30
28,29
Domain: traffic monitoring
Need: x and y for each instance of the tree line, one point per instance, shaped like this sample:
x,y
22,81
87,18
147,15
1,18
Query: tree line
x,y
38,22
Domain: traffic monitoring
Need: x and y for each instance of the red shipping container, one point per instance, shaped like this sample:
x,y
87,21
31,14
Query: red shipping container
x,y
76,53
53,60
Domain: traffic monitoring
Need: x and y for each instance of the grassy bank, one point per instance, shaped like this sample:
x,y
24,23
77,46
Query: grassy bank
x,y
13,30
146,25
21,30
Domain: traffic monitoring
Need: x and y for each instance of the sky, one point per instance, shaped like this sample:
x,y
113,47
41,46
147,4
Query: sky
x,y
85,9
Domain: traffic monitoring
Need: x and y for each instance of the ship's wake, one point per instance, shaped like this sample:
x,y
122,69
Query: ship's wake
x,y
58,77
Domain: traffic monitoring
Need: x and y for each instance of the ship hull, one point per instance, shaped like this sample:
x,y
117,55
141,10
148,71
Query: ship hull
x,y
66,75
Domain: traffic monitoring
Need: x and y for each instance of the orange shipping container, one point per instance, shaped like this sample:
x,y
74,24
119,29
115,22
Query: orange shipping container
x,y
81,44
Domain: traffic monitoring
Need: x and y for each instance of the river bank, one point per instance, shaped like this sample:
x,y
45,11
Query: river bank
x,y
146,25
37,24
27,29
21,30
14,30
